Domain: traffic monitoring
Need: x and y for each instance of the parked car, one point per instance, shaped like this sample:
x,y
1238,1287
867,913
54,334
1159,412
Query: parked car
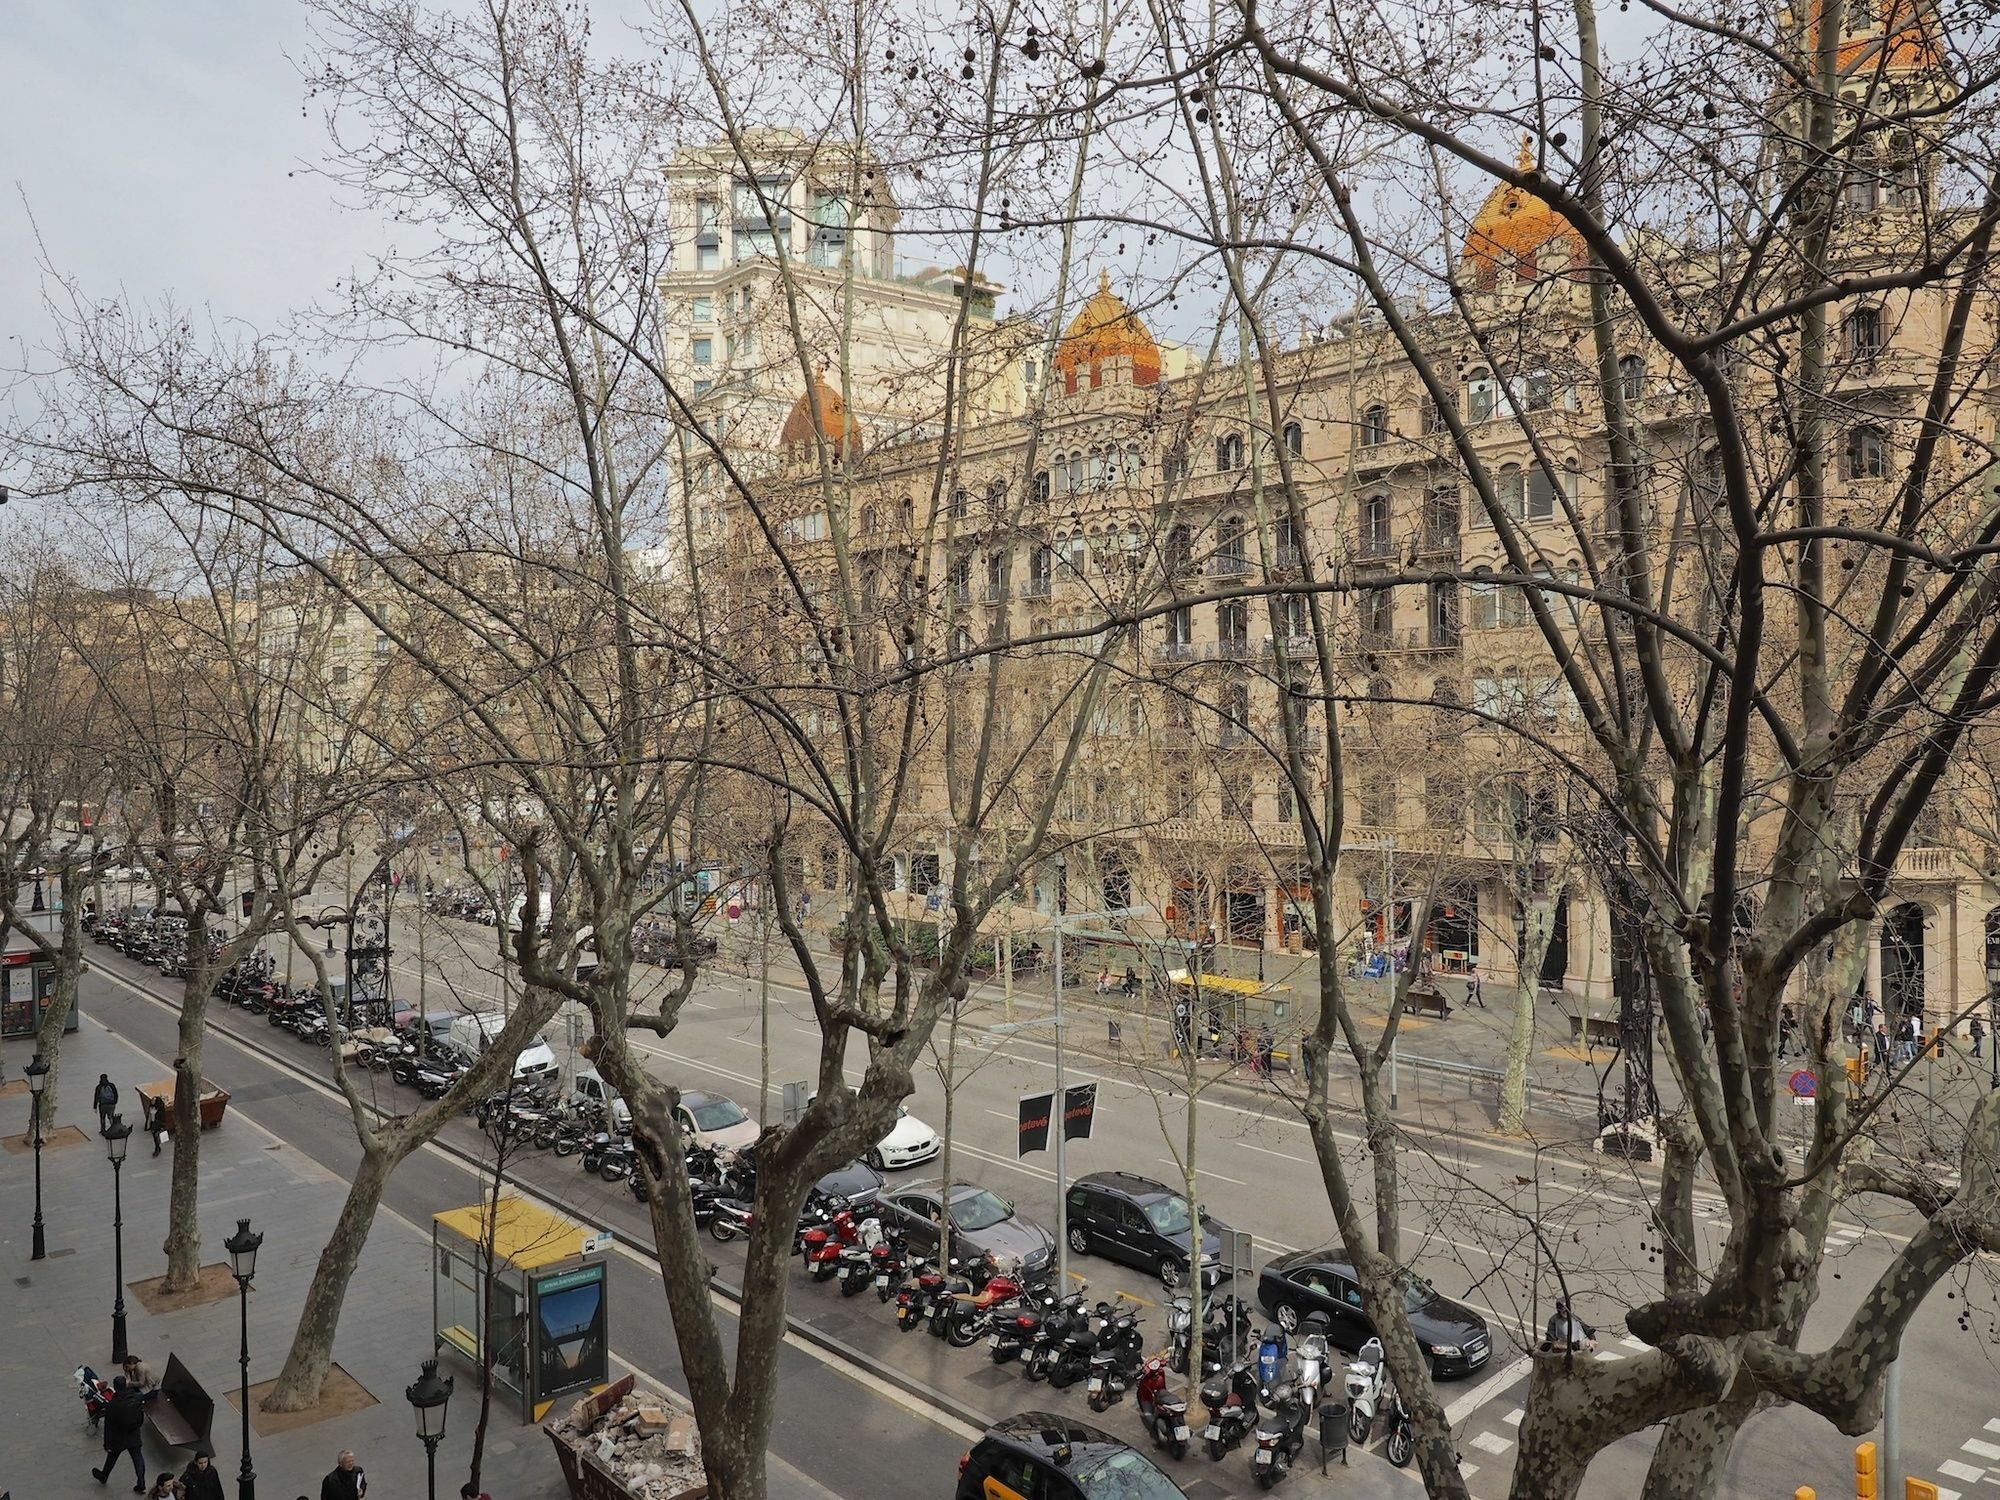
x,y
715,1120
982,1221
1323,1282
857,1182
909,1143
1125,1217
591,1087
1039,1455
472,1033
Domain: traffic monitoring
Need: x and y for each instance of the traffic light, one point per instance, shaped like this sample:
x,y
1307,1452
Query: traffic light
x,y
1867,1475
248,898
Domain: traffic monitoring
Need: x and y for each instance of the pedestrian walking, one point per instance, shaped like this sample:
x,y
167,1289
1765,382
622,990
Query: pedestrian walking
x,y
1787,1031
166,1487
1475,989
124,1427
1868,1008
347,1480
1881,1045
156,1120
105,1097
201,1480
1978,1037
1906,1040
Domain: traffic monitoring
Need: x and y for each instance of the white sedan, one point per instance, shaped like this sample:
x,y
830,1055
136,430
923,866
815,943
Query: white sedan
x,y
909,1144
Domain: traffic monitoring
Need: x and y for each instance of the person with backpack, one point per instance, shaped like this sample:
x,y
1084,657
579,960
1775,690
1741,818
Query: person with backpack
x,y
105,1097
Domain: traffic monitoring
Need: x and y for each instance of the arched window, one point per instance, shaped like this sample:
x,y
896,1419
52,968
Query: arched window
x,y
1236,706
1042,489
1512,488
1864,331
1481,396
1096,468
1541,495
1861,190
1232,626
868,520
1866,455
996,498
1905,174
1229,554
1180,550
1375,425
1134,468
1228,452
1075,472
1430,416
958,503
1295,439
1632,377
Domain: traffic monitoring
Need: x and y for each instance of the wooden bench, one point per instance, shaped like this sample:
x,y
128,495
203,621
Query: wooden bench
x,y
180,1411
1426,1002
1601,1029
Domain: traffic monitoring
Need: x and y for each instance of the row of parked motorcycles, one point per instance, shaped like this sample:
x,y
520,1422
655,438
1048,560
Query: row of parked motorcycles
x,y
1268,1393
153,938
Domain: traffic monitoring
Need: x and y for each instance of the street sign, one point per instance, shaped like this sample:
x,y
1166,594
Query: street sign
x,y
1803,1084
592,1243
794,1105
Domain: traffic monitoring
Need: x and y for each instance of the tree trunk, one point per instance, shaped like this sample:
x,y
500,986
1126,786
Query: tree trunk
x,y
62,996
1534,947
1693,1449
299,1383
183,1244
944,1154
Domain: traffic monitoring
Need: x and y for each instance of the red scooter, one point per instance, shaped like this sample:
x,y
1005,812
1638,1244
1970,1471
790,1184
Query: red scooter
x,y
1165,1414
823,1246
973,1314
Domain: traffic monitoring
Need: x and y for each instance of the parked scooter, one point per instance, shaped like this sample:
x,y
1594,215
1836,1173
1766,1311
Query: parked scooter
x,y
1271,1355
1366,1378
856,1271
970,1316
1232,1409
913,1298
1058,1323
1283,1438
1116,1362
1402,1440
1310,1361
1164,1413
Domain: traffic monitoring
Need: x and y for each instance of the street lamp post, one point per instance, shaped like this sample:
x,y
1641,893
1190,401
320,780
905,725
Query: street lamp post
x,y
38,1079
1993,1015
116,1136
40,901
429,1395
1061,1100
242,1248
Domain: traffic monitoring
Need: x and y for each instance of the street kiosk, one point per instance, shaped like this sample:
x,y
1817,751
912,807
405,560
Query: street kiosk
x,y
547,1318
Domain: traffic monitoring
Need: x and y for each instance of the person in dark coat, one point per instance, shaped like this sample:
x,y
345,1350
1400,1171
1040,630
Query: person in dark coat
x,y
201,1480
105,1097
156,1120
124,1427
346,1481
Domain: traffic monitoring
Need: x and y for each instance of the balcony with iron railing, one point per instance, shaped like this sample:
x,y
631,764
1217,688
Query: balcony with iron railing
x,y
1175,651
993,592
1229,565
1233,649
1038,588
1375,545
1439,541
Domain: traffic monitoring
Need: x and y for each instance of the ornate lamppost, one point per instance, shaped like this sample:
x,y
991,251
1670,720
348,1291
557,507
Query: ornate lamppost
x,y
242,1248
117,1135
37,1072
428,1395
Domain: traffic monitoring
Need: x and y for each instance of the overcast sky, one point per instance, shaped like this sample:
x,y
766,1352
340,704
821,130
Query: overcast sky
x,y
151,144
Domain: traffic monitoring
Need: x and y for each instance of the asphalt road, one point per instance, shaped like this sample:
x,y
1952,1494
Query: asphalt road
x,y
1481,1217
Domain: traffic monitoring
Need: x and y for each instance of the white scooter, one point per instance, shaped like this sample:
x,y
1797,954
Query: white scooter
x,y
1309,1366
1367,1377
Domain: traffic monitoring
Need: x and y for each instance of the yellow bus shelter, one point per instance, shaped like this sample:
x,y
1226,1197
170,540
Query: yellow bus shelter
x,y
546,1302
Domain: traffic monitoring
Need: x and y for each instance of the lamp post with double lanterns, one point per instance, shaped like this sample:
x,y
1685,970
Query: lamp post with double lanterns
x,y
1993,1017
242,1248
117,1135
428,1395
37,1071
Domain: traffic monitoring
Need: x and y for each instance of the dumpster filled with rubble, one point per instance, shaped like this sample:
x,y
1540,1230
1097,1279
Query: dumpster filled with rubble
x,y
629,1442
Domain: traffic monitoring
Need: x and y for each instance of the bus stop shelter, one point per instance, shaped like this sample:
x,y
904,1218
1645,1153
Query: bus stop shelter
x,y
547,1317
1231,1010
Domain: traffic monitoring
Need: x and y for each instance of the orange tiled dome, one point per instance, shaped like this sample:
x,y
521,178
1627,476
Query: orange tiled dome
x,y
841,430
1516,229
1105,329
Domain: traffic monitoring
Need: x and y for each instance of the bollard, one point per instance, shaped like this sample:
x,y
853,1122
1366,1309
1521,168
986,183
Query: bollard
x,y
1867,1475
1805,1492
1919,1489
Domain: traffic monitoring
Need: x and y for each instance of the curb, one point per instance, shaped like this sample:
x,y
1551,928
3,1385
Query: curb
x,y
888,1374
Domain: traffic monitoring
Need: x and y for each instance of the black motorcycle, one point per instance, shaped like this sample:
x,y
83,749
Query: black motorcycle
x,y
1115,1362
1232,1409
1058,1323
1283,1438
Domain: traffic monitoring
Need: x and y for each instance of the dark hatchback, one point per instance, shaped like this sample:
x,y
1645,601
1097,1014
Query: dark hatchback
x,y
1041,1456
1141,1222
1322,1282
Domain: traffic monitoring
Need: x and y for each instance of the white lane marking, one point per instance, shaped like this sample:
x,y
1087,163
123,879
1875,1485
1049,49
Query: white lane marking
x,y
1608,1356
1993,1424
1513,1418
1957,1470
1167,1161
1001,1114
1487,1389
1266,1150
1981,1450
1466,1470
1491,1442
1637,1346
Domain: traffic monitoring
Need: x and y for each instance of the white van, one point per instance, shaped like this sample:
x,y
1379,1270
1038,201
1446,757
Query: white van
x,y
592,1088
474,1033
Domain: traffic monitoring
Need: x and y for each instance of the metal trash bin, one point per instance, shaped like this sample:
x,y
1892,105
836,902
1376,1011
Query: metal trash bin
x,y
1332,1432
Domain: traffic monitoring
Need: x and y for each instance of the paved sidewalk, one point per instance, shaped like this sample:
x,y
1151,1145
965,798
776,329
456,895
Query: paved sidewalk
x,y
58,1312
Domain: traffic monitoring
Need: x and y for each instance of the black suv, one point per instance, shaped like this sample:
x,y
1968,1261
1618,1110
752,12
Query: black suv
x,y
1041,1456
1143,1223
1322,1284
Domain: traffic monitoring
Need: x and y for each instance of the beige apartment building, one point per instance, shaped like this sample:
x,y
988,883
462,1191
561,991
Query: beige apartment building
x,y
1127,478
